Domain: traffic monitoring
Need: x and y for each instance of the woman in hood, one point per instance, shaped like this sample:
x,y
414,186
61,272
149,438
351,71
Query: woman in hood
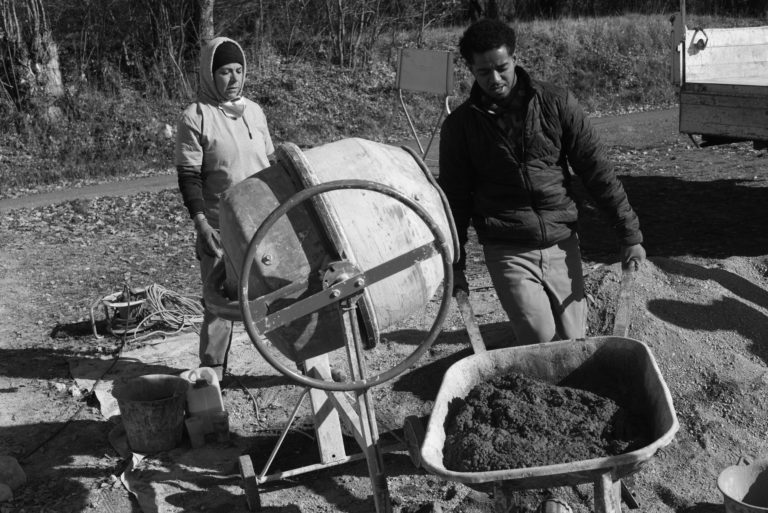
x,y
222,138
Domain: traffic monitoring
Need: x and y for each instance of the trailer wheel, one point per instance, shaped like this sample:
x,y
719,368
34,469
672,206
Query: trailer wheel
x,y
414,437
250,483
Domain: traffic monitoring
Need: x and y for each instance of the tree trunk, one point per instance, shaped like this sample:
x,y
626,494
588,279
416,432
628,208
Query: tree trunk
x,y
207,31
29,58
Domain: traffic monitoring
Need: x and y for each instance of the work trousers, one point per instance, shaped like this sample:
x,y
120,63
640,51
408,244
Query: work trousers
x,y
541,290
215,333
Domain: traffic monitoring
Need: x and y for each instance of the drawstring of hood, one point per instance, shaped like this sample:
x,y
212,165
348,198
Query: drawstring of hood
x,y
250,135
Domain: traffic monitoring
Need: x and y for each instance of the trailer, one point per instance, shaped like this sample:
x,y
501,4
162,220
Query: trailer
x,y
722,75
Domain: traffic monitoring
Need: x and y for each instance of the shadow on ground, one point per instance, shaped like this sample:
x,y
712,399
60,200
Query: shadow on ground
x,y
712,219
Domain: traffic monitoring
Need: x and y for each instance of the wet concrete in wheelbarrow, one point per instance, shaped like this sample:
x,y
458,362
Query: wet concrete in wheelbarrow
x,y
515,421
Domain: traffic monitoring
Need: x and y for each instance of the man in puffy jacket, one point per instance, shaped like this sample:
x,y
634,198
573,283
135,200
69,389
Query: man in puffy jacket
x,y
505,160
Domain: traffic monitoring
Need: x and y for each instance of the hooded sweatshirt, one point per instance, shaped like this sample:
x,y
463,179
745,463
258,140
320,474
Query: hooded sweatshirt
x,y
218,142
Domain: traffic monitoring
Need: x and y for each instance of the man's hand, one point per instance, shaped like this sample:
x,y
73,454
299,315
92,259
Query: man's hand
x,y
210,237
632,255
459,282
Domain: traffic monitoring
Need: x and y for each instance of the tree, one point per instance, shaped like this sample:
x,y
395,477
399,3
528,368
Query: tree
x,y
29,57
206,20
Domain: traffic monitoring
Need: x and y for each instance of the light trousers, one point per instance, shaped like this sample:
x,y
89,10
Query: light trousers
x,y
541,290
215,333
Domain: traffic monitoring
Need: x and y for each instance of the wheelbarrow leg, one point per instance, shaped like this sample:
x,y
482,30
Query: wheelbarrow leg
x,y
503,501
607,494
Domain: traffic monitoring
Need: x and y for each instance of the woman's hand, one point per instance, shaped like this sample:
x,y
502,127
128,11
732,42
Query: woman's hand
x,y
209,235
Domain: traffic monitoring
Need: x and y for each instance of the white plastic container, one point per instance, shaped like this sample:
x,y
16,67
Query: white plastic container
x,y
203,395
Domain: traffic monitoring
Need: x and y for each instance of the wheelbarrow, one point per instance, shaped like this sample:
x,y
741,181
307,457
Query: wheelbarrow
x,y
616,362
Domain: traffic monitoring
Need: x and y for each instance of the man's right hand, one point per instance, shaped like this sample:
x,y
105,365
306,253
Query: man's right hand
x,y
459,282
210,237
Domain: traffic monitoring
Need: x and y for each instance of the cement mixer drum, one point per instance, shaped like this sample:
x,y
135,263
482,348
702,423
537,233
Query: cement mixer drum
x,y
359,226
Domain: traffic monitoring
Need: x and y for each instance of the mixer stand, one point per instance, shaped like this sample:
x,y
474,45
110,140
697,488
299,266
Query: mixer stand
x,y
343,285
356,412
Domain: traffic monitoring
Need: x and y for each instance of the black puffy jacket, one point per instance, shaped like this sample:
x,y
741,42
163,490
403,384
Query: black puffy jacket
x,y
528,200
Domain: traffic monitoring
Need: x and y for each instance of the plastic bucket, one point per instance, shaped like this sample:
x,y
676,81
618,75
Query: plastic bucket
x,y
745,487
152,410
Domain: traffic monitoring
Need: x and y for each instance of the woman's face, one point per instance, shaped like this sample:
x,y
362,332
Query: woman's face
x,y
229,80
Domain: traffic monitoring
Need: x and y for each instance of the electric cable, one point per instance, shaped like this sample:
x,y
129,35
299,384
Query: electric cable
x,y
164,311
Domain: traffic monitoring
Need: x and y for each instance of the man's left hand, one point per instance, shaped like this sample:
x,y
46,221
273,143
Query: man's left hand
x,y
632,255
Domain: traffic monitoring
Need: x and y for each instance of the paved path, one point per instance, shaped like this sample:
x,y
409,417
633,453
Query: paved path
x,y
636,130
118,188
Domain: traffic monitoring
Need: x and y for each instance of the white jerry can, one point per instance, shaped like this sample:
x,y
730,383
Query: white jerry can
x,y
203,396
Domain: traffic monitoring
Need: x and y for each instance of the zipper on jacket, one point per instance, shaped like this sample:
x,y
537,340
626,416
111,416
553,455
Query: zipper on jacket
x,y
529,185
501,133
522,162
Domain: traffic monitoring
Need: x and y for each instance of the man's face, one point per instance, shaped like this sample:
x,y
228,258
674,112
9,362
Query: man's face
x,y
494,72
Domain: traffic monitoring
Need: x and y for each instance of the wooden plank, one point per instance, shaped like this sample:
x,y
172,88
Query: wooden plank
x,y
736,53
726,90
737,123
709,120
732,36
724,109
734,106
734,72
327,424
756,81
733,101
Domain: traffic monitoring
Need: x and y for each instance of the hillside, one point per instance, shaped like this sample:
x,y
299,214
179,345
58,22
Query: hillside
x,y
613,65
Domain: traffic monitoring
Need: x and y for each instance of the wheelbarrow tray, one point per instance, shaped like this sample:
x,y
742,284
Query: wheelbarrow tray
x,y
622,364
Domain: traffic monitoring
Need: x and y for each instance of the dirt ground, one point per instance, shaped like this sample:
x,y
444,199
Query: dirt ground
x,y
700,303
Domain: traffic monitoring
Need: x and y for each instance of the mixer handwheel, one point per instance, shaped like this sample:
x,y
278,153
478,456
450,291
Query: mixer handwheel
x,y
349,284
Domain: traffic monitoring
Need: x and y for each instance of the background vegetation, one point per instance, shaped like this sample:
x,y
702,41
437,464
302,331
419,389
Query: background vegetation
x,y
322,70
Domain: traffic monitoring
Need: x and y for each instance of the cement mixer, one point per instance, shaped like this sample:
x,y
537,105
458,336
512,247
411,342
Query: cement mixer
x,y
324,250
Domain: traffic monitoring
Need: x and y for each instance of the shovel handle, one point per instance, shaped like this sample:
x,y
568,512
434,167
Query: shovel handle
x,y
468,316
621,321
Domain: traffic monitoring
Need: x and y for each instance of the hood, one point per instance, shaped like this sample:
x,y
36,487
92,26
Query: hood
x,y
208,92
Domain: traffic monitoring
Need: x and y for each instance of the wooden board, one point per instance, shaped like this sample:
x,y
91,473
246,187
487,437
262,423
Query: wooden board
x,y
726,54
724,110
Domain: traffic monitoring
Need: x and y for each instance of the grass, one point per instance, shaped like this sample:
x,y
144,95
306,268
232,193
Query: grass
x,y
612,64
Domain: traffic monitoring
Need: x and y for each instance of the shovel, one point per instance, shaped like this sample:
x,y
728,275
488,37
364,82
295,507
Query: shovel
x,y
468,316
621,321
621,329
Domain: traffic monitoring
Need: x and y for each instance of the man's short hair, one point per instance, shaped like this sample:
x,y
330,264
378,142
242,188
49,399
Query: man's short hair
x,y
484,35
